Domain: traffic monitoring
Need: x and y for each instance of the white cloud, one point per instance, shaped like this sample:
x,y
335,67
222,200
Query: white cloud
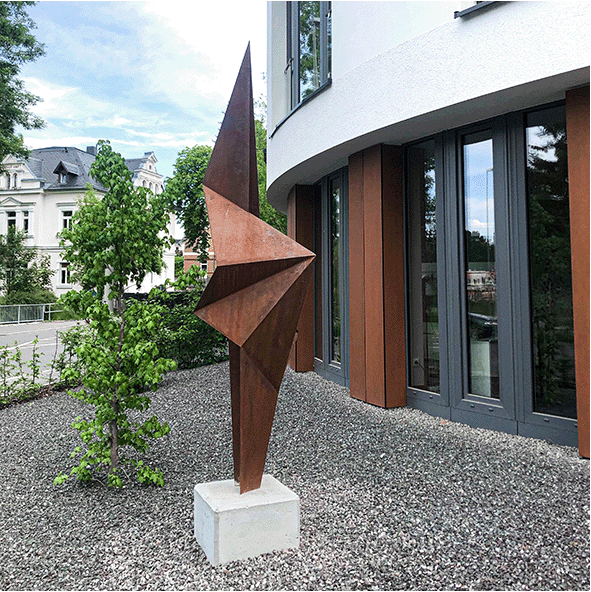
x,y
218,35
150,75
476,224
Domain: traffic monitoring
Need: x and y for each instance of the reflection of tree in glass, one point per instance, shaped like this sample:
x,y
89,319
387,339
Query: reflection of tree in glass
x,y
430,251
480,250
309,47
336,301
550,265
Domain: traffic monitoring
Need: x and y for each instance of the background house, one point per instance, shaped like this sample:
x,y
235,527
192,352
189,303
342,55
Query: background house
x,y
435,157
39,195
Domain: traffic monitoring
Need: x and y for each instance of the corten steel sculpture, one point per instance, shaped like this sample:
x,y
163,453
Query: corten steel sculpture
x,y
256,293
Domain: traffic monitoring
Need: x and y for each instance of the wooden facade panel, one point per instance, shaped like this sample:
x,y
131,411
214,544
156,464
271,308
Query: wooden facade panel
x,y
305,236
356,279
300,227
577,119
374,275
394,311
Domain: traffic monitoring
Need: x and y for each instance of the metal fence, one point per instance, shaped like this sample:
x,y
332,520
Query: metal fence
x,y
27,313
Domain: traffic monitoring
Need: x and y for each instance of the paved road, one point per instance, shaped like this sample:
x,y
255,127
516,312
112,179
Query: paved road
x,y
25,333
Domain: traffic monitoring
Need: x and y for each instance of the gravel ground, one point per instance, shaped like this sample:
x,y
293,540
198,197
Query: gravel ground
x,y
390,499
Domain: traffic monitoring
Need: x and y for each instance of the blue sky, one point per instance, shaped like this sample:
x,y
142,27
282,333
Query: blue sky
x,y
145,75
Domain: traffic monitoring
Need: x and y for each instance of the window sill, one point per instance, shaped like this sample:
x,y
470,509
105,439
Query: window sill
x,y
319,90
472,9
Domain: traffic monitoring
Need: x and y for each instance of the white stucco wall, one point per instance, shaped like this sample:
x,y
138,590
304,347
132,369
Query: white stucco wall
x,y
510,56
364,30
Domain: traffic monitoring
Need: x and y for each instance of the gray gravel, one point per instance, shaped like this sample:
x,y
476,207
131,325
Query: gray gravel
x,y
390,499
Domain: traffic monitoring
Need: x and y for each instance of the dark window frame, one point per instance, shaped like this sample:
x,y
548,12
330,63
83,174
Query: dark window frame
x,y
514,411
335,371
293,52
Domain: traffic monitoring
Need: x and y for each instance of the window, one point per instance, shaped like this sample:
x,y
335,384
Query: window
x,y
489,307
11,220
26,222
549,262
66,219
64,274
309,48
422,278
204,266
63,177
331,280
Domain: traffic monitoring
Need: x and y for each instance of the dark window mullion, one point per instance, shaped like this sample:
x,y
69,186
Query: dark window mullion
x,y
324,8
442,256
520,285
453,270
504,254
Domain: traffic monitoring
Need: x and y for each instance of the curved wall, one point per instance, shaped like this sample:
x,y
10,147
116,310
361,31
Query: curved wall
x,y
509,56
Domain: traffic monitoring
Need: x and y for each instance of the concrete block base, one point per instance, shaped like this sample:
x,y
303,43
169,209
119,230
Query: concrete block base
x,y
230,526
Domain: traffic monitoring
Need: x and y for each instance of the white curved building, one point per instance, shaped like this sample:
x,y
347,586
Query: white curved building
x,y
435,156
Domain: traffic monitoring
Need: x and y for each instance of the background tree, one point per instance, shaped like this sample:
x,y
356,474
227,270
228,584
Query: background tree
x,y
17,47
268,213
25,275
184,190
111,244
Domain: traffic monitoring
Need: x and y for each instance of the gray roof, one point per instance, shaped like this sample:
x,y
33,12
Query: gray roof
x,y
134,163
46,163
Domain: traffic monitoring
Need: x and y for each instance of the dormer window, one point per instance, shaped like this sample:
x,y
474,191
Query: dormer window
x,y
63,169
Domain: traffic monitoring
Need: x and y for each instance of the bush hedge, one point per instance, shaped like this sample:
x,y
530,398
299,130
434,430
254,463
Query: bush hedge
x,y
185,338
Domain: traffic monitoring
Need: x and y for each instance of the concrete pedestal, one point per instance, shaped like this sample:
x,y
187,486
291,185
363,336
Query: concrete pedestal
x,y
230,526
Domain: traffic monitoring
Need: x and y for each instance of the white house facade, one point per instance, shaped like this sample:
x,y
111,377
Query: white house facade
x,y
435,157
40,194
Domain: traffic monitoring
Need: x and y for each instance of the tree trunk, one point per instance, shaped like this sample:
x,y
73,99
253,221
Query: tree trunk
x,y
114,428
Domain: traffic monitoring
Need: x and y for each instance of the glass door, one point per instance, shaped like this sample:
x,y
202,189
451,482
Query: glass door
x,y
480,270
483,385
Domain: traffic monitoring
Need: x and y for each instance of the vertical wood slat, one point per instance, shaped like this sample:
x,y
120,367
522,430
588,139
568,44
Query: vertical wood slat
x,y
356,278
376,277
577,122
394,293
300,227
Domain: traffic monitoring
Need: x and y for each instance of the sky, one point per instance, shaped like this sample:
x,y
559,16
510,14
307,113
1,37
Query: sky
x,y
148,76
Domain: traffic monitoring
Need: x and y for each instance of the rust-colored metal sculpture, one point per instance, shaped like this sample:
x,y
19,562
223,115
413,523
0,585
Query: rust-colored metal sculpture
x,y
256,293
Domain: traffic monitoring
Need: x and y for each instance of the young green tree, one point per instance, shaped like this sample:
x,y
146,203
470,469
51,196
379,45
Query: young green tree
x,y
25,275
112,243
17,47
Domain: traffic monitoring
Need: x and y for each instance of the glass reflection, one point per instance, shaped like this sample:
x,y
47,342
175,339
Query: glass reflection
x,y
309,42
550,264
335,246
481,284
422,273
